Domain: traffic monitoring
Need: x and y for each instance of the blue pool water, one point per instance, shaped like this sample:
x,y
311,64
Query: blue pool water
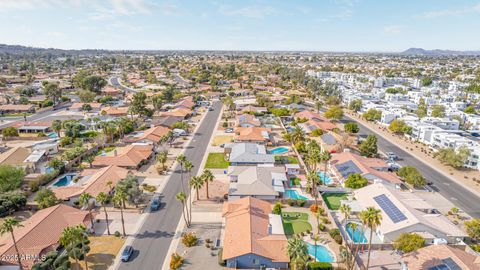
x,y
52,135
293,194
323,254
357,236
279,150
325,179
65,180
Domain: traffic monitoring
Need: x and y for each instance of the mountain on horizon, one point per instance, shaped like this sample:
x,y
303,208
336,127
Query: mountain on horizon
x,y
437,52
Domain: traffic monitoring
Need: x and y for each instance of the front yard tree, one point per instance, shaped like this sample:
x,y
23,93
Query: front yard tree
x,y
162,158
52,91
472,228
138,106
408,242
102,199
334,113
57,126
8,226
369,147
181,197
355,105
9,132
119,198
455,158
84,200
197,183
94,83
399,127
351,128
207,177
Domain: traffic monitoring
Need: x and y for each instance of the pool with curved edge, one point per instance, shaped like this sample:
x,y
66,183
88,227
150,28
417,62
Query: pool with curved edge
x,y
322,253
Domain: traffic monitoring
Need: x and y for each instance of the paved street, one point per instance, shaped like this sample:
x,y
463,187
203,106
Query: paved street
x,y
452,191
153,240
116,83
35,117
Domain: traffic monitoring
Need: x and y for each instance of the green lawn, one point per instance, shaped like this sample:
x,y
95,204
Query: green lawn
x,y
332,200
216,161
295,222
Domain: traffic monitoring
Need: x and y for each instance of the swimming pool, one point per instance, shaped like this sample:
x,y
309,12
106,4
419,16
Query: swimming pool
x,y
357,236
293,194
52,135
279,150
322,254
64,180
325,178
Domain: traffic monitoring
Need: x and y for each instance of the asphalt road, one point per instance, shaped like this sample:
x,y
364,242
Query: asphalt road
x,y
116,83
451,190
34,117
153,240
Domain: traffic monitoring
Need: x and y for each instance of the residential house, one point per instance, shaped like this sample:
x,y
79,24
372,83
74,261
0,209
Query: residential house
x,y
152,135
437,257
17,108
254,237
346,163
405,212
315,121
248,154
115,111
92,181
252,134
79,106
33,126
166,121
185,103
264,182
253,109
40,234
132,156
111,91
247,120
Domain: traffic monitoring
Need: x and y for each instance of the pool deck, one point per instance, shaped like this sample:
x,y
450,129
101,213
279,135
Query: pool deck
x,y
320,242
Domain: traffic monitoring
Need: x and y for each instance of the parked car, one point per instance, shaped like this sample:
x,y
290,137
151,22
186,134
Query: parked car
x,y
229,130
155,204
210,108
127,253
391,156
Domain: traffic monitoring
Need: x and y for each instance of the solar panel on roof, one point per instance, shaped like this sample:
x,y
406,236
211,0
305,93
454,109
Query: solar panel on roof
x,y
452,265
389,208
347,168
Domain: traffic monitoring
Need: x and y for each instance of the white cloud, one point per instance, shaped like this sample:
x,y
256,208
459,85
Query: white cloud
x,y
393,29
129,7
450,12
254,11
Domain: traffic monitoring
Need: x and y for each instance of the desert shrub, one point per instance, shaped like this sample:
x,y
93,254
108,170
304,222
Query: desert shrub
x,y
320,266
314,208
321,227
290,202
176,261
117,234
300,203
189,239
221,261
338,238
334,232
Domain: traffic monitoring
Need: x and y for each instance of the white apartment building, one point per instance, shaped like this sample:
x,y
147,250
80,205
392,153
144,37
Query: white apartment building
x,y
443,123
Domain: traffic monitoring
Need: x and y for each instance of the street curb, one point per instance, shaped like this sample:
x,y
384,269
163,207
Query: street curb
x,y
181,223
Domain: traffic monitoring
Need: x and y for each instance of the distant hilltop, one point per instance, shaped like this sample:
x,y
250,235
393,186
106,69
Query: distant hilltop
x,y
420,51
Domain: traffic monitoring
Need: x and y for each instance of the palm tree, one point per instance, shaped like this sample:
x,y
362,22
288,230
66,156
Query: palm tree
x,y
8,225
297,134
297,250
354,227
188,168
345,209
315,240
318,105
69,239
102,198
207,176
325,156
162,158
182,198
57,126
119,198
197,183
84,200
181,160
372,218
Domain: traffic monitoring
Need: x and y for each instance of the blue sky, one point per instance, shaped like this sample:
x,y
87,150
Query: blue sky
x,y
318,25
